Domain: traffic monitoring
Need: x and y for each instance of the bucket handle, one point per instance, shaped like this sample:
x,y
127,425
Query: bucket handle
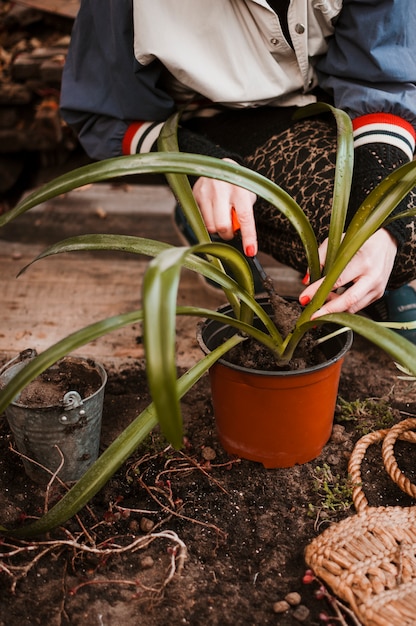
x,y
25,355
72,400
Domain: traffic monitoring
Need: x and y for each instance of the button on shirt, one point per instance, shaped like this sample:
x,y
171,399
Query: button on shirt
x,y
235,52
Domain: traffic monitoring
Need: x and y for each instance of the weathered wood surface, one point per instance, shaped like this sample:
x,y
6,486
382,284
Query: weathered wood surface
x,y
67,8
63,293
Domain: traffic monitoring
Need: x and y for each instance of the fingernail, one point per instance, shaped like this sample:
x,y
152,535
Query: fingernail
x,y
234,221
250,251
305,279
304,300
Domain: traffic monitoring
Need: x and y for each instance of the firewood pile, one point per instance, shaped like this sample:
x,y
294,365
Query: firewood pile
x,y
33,47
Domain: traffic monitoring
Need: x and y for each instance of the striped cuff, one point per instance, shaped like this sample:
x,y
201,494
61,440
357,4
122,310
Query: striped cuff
x,y
141,137
384,128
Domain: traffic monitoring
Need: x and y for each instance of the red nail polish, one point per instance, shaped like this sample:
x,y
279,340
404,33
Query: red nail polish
x,y
304,300
250,251
305,279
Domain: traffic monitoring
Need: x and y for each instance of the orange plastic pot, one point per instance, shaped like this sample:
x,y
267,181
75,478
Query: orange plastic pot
x,y
280,418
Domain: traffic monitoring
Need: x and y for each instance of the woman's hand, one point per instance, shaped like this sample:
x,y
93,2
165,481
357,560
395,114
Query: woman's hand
x,y
367,274
216,199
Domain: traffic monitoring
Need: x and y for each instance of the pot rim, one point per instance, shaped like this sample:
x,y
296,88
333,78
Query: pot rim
x,y
345,340
17,366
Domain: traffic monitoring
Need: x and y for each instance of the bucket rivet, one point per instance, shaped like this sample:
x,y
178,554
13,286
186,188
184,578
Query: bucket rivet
x,y
63,419
82,412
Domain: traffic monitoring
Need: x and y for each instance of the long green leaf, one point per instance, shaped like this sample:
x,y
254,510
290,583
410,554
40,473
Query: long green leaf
x,y
342,185
400,349
115,455
179,183
274,345
159,296
181,188
371,215
342,175
150,247
180,163
70,343
378,205
101,242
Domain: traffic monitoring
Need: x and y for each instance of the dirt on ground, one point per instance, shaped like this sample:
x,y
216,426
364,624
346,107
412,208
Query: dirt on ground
x,y
196,536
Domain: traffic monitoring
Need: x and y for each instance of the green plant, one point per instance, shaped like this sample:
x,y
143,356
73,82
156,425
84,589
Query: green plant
x,y
335,493
367,415
161,280
406,374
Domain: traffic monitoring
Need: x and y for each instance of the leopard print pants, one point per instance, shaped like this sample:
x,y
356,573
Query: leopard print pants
x,y
300,157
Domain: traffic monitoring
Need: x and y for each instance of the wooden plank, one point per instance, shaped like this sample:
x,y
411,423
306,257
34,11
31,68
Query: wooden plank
x,y
67,8
61,294
101,208
64,293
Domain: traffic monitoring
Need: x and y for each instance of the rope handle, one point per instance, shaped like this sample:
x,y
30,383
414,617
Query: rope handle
x,y
403,431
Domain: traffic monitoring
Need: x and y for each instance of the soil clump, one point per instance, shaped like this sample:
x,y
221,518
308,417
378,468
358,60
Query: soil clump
x,y
284,313
49,388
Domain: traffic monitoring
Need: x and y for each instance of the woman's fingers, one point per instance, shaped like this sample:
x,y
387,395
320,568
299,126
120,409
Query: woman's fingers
x,y
216,200
364,278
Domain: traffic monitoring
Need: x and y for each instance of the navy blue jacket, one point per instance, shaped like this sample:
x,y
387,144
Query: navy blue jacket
x,y
370,67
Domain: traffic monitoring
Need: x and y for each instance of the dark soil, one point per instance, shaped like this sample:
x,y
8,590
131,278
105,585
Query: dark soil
x,y
49,388
284,312
245,528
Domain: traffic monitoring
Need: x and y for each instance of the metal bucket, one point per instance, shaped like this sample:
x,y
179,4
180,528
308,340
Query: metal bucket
x,y
67,433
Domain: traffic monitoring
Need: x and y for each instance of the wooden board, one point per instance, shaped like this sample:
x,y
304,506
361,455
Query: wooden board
x,y
61,294
67,8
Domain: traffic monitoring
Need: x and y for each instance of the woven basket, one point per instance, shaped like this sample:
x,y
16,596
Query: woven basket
x,y
369,559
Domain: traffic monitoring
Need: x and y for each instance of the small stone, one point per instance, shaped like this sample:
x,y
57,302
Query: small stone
x,y
101,213
147,562
146,525
208,453
301,613
134,526
293,598
43,571
338,434
333,459
281,607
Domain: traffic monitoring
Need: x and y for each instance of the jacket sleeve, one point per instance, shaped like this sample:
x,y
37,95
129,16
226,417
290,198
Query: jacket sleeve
x,y
370,65
370,68
104,88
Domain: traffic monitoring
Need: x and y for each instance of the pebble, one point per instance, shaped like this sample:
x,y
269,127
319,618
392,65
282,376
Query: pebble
x,y
146,525
208,453
281,607
102,213
134,526
301,613
293,598
333,459
338,434
147,562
